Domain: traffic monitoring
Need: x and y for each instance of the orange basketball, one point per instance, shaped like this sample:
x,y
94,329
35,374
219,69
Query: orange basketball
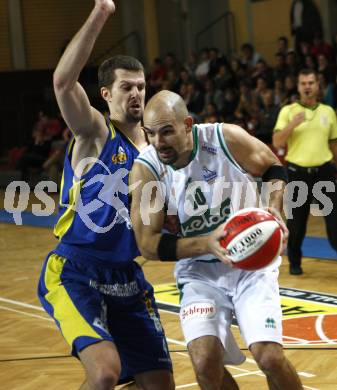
x,y
253,238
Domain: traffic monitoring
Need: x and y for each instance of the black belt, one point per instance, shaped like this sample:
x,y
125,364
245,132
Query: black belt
x,y
297,168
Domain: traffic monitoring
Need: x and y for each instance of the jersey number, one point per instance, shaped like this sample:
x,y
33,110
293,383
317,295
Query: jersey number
x,y
199,199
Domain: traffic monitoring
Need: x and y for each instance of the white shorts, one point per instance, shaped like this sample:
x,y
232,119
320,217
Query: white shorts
x,y
213,292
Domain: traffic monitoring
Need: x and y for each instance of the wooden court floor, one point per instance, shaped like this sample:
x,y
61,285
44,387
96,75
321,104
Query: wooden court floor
x,y
33,355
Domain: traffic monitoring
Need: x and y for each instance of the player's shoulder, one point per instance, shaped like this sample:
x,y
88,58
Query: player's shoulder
x,y
206,132
148,151
231,131
148,155
207,128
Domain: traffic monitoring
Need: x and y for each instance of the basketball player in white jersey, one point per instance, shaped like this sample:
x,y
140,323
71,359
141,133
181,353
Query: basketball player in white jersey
x,y
204,173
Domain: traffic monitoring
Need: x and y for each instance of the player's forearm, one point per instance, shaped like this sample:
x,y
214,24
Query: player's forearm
x,y
185,247
79,49
280,137
192,246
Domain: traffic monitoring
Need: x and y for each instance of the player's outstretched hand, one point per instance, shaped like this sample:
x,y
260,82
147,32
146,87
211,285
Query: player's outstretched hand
x,y
106,5
215,247
284,228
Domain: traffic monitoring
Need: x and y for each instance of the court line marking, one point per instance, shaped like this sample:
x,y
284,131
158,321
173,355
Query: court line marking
x,y
173,341
25,313
188,385
320,331
23,304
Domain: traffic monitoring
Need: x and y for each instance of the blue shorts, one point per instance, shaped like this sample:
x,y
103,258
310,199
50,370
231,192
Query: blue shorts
x,y
91,303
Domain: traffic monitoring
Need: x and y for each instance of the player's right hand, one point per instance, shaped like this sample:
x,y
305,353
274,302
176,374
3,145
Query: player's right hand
x,y
298,118
215,248
106,5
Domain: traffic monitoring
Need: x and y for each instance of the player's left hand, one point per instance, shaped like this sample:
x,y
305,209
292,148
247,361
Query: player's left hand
x,y
106,5
215,247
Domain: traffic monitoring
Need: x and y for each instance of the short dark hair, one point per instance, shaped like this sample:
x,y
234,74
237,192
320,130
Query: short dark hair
x,y
248,46
306,72
106,71
284,39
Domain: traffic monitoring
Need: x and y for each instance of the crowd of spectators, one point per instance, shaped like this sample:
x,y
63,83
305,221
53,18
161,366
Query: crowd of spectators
x,y
41,157
245,89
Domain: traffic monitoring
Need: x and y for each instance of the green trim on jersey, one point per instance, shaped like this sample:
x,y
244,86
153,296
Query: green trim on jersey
x,y
312,108
225,149
150,166
195,142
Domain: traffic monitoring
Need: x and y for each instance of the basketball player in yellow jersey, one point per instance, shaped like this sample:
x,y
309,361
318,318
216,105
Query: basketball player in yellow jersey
x,y
309,130
90,283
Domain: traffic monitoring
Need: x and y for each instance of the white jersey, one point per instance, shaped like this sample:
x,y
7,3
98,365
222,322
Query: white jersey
x,y
209,189
204,194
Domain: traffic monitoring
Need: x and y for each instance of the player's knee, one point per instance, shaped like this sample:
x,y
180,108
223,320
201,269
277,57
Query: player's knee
x,y
205,373
104,378
270,360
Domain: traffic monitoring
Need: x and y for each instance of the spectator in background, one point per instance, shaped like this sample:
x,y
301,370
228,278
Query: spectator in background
x,y
305,21
202,69
156,76
262,70
280,70
321,47
292,63
238,70
171,63
326,90
310,62
261,87
54,164
325,67
247,107
282,45
210,110
172,77
192,63
224,78
215,61
304,50
249,57
213,95
185,77
194,98
266,118
290,90
230,104
35,154
279,93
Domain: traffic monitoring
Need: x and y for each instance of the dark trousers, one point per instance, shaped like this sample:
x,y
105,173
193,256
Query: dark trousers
x,y
298,224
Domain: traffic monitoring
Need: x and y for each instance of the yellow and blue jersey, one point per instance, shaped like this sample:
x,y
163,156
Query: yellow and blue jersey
x,y
94,221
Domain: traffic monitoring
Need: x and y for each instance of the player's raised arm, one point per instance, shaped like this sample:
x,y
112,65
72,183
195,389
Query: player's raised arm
x,y
74,104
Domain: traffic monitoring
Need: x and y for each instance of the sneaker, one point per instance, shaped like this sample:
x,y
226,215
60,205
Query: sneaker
x,y
296,270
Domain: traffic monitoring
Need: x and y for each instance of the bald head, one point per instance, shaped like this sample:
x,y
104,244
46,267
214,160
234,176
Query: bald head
x,y
164,104
169,127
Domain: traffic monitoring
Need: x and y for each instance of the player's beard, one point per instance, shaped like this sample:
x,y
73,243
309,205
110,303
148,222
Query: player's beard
x,y
171,159
133,118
